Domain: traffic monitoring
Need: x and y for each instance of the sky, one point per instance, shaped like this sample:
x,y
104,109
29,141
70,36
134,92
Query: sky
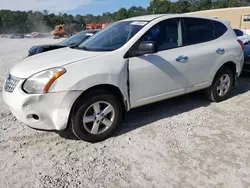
x,y
74,7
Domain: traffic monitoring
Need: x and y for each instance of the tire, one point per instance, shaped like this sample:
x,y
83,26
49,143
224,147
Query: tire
x,y
85,131
213,93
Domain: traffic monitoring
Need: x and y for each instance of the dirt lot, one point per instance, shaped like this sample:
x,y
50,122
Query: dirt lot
x,y
182,142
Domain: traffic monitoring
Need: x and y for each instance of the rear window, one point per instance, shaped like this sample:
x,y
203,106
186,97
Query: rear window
x,y
238,32
198,30
220,29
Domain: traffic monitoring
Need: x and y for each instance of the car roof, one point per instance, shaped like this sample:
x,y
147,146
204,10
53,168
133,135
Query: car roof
x,y
149,17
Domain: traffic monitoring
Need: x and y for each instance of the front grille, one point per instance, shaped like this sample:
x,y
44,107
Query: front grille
x,y
10,83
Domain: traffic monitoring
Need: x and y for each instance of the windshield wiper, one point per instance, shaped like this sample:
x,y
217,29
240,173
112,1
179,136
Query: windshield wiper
x,y
83,48
76,46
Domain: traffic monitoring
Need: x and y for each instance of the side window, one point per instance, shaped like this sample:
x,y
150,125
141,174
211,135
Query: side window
x,y
220,28
238,32
167,34
198,30
246,18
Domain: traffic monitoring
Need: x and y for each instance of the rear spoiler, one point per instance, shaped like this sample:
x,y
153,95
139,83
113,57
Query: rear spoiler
x,y
226,22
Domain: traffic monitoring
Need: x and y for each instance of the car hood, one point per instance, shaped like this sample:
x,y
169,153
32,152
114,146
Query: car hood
x,y
40,48
44,46
57,58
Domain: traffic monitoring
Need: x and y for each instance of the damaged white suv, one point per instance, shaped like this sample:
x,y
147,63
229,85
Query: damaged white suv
x,y
131,63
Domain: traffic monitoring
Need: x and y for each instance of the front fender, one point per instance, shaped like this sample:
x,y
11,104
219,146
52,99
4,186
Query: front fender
x,y
74,80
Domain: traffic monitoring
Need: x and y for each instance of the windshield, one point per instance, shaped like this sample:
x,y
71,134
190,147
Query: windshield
x,y
113,37
76,39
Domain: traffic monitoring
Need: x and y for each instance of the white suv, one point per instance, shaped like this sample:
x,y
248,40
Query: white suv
x,y
131,63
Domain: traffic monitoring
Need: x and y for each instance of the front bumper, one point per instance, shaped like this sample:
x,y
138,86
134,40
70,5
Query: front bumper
x,y
41,111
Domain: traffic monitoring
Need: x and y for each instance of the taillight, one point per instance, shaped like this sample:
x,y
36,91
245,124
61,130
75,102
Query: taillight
x,y
241,44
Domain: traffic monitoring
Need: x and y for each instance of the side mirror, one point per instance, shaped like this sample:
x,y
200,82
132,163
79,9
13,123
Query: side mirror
x,y
145,47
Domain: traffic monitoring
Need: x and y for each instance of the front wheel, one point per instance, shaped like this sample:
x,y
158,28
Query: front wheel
x,y
96,116
221,86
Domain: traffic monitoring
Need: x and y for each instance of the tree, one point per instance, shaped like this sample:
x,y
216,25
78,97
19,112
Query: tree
x,y
23,22
182,6
45,12
106,17
135,11
159,6
121,14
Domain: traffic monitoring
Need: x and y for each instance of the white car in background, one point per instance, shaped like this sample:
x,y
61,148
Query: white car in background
x,y
243,36
89,88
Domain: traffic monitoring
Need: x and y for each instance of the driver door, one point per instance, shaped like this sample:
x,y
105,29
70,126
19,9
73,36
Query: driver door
x,y
158,76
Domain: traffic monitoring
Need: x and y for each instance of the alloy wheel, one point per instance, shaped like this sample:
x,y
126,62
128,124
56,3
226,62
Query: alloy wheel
x,y
223,85
98,117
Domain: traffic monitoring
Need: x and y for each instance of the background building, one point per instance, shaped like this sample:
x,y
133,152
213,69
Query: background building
x,y
239,16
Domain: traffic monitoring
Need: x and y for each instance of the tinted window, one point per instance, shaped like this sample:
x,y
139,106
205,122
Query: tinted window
x,y
238,32
166,34
76,39
198,30
220,29
113,37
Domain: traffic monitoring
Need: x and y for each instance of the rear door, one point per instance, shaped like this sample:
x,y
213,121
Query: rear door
x,y
202,50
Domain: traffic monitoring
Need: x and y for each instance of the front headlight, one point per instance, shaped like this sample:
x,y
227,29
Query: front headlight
x,y
40,82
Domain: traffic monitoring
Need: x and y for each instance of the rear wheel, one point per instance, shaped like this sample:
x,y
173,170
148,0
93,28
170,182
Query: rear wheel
x,y
222,85
97,116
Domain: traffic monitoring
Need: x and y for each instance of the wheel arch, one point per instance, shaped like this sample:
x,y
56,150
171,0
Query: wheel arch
x,y
232,66
102,87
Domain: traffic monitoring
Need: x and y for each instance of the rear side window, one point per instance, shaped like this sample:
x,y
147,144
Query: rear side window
x,y
238,32
220,28
198,30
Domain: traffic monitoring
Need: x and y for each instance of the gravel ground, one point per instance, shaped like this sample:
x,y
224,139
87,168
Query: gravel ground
x,y
182,142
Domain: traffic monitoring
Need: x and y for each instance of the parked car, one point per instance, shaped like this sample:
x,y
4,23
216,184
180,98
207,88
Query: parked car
x,y
131,63
242,35
246,66
27,35
71,41
37,35
16,36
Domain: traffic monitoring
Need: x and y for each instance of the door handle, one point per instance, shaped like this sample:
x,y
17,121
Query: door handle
x,y
220,51
182,58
